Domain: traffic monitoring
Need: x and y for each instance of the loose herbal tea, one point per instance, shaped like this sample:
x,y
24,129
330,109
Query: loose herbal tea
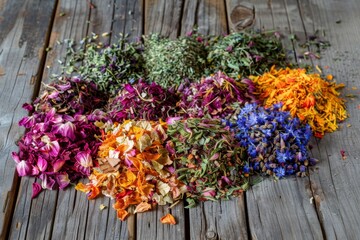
x,y
170,62
108,66
216,96
307,96
134,168
148,101
207,159
277,144
242,54
60,143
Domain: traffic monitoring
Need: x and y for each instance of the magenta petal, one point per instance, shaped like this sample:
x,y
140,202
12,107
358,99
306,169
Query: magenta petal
x,y
172,120
47,182
16,157
52,148
36,189
35,171
209,193
58,165
84,159
23,168
27,122
65,129
27,107
42,164
62,180
129,88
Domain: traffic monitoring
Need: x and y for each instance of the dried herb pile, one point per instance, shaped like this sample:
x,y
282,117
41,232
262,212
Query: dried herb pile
x,y
276,143
216,96
134,168
242,54
108,66
143,101
207,159
309,97
170,62
60,143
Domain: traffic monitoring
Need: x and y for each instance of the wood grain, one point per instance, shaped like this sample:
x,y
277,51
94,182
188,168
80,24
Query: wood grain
x,y
335,184
209,16
163,17
24,30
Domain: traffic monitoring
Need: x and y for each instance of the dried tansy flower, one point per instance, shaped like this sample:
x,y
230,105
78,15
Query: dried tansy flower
x,y
207,159
243,54
169,62
134,168
147,101
312,99
277,144
216,96
60,144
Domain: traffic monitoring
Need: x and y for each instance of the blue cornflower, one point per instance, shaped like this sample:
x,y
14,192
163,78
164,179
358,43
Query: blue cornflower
x,y
276,143
247,108
283,157
279,172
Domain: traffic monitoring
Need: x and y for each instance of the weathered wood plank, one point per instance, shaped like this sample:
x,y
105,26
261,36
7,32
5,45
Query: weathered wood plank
x,y
209,16
163,17
128,19
223,219
336,185
24,27
219,220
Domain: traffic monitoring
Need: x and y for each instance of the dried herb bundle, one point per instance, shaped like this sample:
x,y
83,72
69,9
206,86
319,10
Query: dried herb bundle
x,y
207,159
243,54
169,62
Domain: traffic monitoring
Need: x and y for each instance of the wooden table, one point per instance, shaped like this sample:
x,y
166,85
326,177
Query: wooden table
x,y
324,205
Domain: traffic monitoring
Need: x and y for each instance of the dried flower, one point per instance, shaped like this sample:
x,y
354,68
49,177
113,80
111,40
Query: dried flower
x,y
276,143
216,96
134,168
168,219
307,96
60,143
143,101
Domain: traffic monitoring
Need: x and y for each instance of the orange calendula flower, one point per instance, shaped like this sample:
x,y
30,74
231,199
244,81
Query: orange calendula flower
x,y
134,168
309,97
168,219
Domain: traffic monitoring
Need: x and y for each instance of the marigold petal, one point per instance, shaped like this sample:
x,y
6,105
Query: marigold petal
x,y
168,219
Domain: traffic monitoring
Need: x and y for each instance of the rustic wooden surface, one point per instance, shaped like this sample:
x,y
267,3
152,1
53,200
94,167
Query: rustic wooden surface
x,y
321,206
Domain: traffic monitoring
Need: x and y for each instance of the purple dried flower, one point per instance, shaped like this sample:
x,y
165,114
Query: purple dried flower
x,y
148,101
60,144
215,96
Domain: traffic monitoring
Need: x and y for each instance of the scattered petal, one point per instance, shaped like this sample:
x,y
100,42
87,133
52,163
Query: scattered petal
x,y
168,219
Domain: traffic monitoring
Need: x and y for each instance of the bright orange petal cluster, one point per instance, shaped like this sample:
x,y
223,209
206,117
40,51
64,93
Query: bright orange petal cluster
x,y
133,168
306,96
